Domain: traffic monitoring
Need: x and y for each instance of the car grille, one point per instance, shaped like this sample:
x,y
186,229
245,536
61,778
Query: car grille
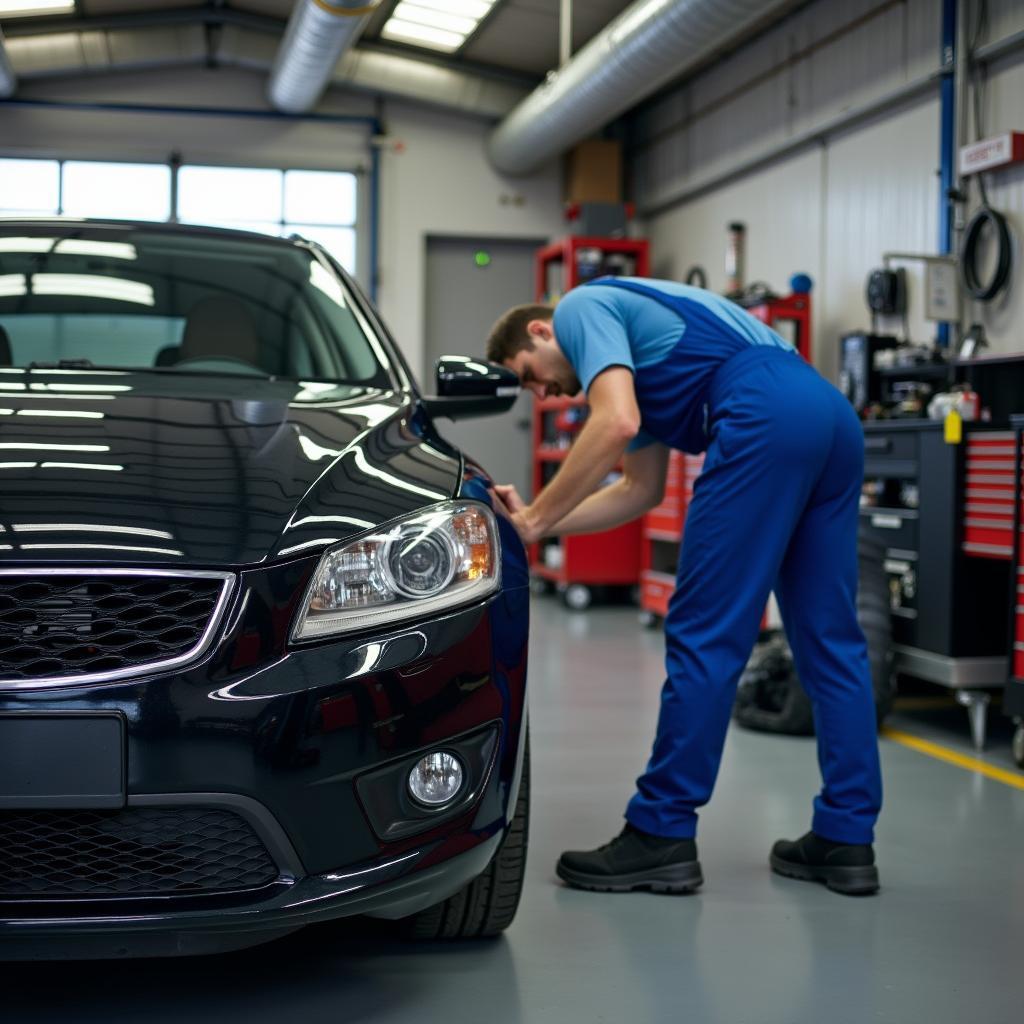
x,y
55,626
136,852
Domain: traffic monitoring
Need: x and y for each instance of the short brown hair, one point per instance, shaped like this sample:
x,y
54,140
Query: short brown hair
x,y
508,336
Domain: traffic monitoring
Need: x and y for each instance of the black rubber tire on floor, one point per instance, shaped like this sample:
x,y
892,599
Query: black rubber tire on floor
x,y
770,697
487,905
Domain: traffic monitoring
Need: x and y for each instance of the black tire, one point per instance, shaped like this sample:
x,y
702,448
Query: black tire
x,y
770,697
487,905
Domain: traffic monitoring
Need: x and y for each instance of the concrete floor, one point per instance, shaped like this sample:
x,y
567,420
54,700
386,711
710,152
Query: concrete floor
x,y
940,943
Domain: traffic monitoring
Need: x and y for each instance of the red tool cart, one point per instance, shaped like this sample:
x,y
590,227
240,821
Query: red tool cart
x,y
576,565
661,535
789,315
662,527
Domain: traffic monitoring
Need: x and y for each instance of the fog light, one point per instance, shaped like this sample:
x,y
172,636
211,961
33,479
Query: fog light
x,y
436,779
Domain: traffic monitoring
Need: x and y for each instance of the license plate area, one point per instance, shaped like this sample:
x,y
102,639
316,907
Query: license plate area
x,y
74,761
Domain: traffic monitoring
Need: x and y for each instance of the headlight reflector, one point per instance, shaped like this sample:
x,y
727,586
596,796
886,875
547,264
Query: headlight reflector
x,y
420,563
446,556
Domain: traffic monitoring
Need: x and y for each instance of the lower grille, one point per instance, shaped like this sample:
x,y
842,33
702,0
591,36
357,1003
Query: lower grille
x,y
136,852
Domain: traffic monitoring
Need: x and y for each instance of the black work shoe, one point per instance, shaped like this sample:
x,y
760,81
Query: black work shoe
x,y
634,860
842,867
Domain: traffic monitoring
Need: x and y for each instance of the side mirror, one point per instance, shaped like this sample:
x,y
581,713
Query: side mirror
x,y
469,387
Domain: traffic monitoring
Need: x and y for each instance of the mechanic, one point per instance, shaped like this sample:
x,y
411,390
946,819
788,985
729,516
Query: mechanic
x,y
665,365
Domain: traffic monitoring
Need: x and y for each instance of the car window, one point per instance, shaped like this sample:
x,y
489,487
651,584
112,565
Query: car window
x,y
179,303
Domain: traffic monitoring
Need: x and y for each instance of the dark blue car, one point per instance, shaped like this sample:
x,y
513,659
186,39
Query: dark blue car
x,y
262,638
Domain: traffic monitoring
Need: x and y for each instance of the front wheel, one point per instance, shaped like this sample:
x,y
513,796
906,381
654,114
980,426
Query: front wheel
x,y
487,905
577,596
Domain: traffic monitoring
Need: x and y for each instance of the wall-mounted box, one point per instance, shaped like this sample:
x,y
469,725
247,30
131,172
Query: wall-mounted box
x,y
989,154
593,172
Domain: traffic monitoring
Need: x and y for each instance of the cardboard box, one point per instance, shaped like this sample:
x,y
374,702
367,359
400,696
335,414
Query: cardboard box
x,y
594,172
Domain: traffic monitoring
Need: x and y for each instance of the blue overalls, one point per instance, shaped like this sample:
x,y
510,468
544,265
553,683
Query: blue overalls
x,y
775,508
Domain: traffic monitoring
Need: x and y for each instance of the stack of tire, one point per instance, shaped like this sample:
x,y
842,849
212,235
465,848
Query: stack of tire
x,y
770,697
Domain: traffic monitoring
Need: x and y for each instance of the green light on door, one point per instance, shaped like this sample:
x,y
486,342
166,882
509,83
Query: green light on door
x,y
482,258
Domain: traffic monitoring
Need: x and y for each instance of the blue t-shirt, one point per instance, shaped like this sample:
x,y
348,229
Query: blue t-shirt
x,y
599,326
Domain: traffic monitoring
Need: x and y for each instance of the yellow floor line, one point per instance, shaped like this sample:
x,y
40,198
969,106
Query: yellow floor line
x,y
972,764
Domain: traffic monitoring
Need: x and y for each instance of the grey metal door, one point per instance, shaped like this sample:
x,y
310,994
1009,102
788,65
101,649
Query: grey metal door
x,y
470,283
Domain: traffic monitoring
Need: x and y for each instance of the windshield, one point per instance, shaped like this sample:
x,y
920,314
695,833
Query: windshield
x,y
77,296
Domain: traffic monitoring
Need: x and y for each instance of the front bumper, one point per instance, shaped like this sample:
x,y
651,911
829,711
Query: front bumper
x,y
109,934
283,737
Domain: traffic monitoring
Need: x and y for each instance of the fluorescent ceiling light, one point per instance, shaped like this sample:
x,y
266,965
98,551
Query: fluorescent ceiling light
x,y
61,413
93,286
50,388
12,285
88,247
26,244
475,9
436,24
70,247
91,528
81,465
423,35
27,8
36,446
432,18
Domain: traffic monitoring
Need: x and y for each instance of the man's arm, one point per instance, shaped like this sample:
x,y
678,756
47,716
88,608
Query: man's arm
x,y
613,422
641,488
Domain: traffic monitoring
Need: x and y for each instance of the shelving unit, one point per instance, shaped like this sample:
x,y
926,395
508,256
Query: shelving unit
x,y
662,527
661,535
576,565
790,315
559,266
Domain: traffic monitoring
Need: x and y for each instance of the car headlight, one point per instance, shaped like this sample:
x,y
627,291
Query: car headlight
x,y
446,556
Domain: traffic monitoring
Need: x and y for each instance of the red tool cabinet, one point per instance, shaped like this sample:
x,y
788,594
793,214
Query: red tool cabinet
x,y
1013,697
577,564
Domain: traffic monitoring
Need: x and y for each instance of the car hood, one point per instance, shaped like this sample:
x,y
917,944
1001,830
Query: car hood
x,y
169,469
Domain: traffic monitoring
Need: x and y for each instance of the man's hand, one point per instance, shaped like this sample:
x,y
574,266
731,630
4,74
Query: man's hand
x,y
527,529
510,497
510,504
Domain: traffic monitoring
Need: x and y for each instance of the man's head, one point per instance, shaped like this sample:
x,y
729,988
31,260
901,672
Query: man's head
x,y
524,341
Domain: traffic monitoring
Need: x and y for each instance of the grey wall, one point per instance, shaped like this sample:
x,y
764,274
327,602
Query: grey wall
x,y
823,136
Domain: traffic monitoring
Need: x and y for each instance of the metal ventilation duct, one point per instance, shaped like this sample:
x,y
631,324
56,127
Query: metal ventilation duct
x,y
318,33
8,82
646,46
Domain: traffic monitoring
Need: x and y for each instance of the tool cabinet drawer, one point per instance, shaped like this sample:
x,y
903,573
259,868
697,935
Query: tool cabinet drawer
x,y
988,536
666,519
894,445
896,528
655,591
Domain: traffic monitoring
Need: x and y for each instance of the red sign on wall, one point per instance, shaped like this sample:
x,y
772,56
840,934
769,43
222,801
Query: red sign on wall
x,y
1007,148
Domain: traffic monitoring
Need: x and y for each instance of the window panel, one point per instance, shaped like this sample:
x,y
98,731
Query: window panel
x,y
319,197
339,242
29,186
223,195
128,191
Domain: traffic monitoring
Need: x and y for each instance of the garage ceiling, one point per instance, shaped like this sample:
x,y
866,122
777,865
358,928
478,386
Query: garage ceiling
x,y
519,36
